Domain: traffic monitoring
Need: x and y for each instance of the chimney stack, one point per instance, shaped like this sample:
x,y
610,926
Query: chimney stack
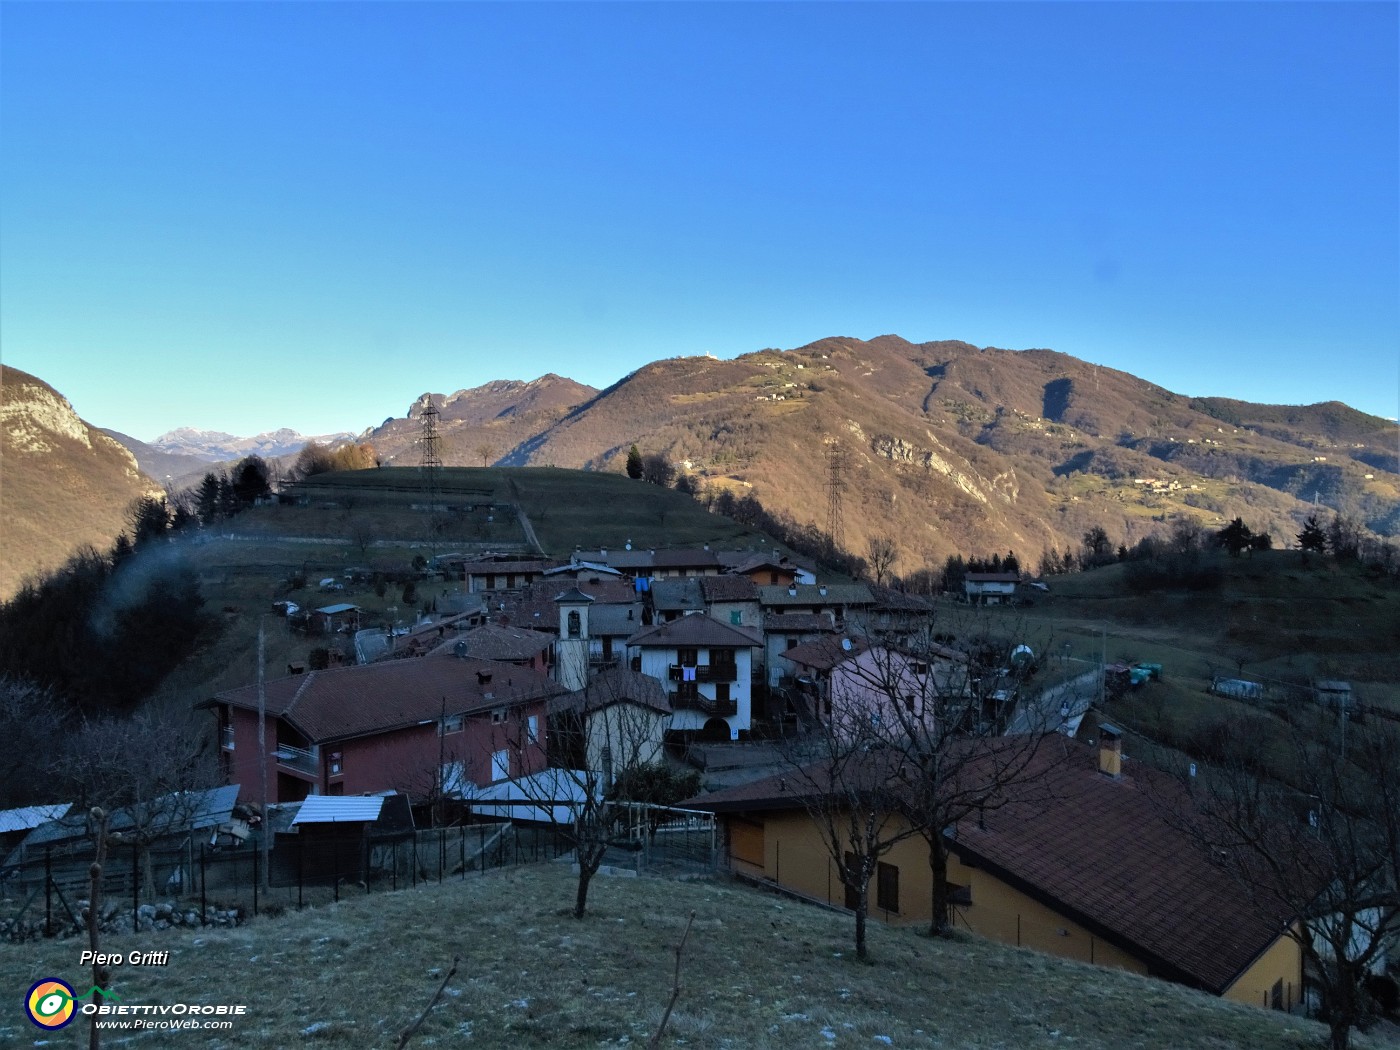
x,y
1110,750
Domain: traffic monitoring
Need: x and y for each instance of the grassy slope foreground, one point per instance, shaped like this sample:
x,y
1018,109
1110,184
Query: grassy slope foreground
x,y
760,971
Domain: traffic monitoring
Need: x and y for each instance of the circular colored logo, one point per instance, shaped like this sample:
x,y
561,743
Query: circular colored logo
x,y
50,1003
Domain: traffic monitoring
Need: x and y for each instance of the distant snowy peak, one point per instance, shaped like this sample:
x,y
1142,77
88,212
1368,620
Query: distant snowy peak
x,y
215,446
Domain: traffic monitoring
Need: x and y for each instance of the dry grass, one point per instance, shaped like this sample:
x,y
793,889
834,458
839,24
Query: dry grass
x,y
760,971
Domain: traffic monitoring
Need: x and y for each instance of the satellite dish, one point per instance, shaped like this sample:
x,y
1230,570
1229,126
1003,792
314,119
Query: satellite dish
x,y
460,649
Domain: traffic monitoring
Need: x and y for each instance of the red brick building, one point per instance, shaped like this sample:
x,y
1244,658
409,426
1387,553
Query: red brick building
x,y
393,725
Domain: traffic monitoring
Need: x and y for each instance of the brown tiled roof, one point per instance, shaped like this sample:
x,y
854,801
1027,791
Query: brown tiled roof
x,y
824,653
500,568
899,601
495,642
682,593
1101,852
797,623
535,607
616,685
346,702
683,558
811,594
696,630
728,589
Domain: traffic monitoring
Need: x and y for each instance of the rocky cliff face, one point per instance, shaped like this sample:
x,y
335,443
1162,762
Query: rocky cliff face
x,y
66,483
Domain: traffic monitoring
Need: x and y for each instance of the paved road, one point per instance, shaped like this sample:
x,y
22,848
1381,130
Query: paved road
x,y
1060,707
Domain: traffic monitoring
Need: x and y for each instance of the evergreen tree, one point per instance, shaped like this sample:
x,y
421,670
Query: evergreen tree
x,y
206,500
1312,539
634,463
1235,537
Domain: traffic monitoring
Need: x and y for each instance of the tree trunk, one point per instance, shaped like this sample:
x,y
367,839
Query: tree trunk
x,y
939,906
861,908
581,895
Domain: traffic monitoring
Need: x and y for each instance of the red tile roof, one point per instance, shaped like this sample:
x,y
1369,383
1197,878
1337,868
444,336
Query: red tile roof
x,y
496,642
728,589
696,630
346,702
1104,853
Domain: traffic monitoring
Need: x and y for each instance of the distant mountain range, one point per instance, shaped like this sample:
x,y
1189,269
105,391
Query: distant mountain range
x,y
947,447
214,446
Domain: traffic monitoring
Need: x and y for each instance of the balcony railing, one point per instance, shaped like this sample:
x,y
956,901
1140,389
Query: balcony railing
x,y
720,672
226,737
718,708
300,759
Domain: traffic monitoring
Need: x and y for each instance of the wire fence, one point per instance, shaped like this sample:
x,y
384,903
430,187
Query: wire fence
x,y
194,883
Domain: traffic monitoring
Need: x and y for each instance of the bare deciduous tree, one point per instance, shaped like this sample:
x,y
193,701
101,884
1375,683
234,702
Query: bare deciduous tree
x,y
594,736
486,451
881,553
1324,850
146,769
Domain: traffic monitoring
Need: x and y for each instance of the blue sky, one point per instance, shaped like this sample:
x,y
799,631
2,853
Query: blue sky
x,y
243,216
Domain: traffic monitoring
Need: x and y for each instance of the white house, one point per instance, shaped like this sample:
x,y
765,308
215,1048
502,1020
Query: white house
x,y
707,667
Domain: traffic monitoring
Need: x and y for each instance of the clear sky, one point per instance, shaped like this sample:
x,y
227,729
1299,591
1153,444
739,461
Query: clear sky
x,y
249,215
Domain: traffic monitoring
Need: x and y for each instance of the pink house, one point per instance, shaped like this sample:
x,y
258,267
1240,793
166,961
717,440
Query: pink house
x,y
386,726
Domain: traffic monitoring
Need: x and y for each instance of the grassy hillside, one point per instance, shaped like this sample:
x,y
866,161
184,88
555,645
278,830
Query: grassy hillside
x,y
378,519
759,971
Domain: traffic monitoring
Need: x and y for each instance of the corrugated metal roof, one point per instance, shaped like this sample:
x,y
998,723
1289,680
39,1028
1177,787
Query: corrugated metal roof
x,y
338,809
31,816
336,610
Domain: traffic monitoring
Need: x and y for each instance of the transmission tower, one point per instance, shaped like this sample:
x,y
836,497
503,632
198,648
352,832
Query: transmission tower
x,y
835,490
431,464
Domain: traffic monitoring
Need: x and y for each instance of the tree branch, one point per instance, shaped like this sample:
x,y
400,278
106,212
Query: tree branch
x,y
412,1030
675,988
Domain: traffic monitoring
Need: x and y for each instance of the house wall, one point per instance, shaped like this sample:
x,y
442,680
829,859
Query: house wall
x,y
657,663
1281,963
634,735
404,759
794,856
749,616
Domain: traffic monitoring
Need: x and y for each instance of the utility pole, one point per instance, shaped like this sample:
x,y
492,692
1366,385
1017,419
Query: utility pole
x,y
262,744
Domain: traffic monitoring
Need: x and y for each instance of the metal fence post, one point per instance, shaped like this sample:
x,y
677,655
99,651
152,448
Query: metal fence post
x,y
335,862
301,879
135,890
256,880
442,852
203,887
462,849
394,867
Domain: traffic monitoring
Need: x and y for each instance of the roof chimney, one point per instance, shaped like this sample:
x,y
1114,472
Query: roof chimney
x,y
1110,750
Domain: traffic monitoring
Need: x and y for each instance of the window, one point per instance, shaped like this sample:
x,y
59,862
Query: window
x,y
790,642
532,729
736,618
959,896
575,624
687,657
450,724
336,766
887,887
498,715
721,692
500,765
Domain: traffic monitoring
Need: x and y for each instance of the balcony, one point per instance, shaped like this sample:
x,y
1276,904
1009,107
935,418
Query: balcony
x,y
226,737
299,759
712,672
698,702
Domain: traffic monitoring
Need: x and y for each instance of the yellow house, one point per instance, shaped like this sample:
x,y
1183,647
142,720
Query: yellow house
x,y
1098,875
